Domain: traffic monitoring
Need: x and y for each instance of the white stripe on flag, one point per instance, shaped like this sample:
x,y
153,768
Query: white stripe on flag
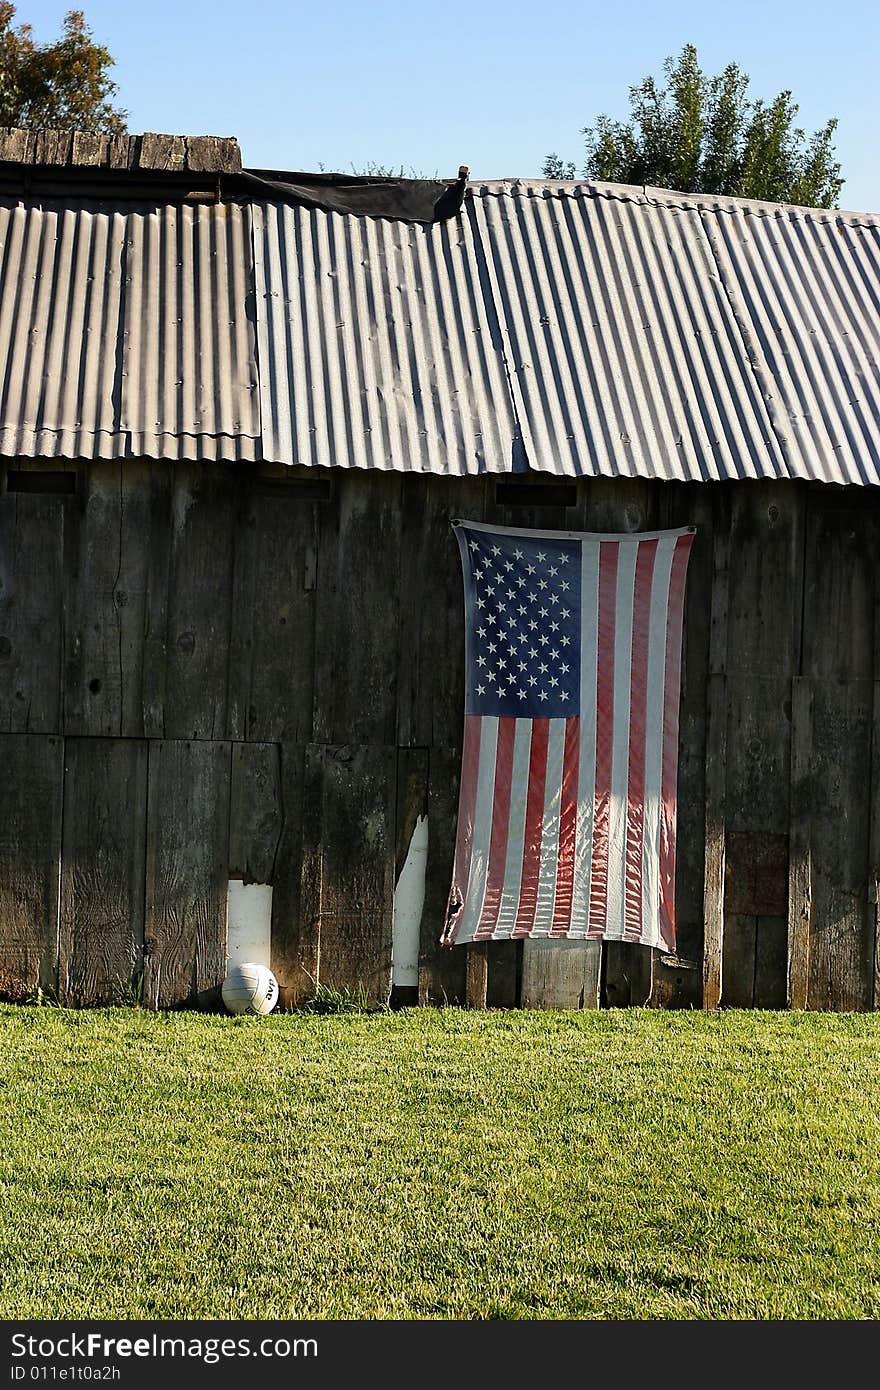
x,y
654,740
516,829
583,853
550,831
482,835
623,629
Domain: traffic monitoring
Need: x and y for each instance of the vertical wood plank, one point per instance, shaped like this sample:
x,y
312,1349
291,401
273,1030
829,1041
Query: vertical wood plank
x,y
102,871
713,891
31,629
311,872
756,835
294,958
255,811
477,974
357,612
199,603
739,951
430,680
628,975
442,971
243,604
106,561
720,595
561,974
30,855
842,939
763,643
154,680
282,672
503,974
800,888
766,577
271,663
129,593
838,655
187,872
839,622
641,976
771,958
357,868
716,750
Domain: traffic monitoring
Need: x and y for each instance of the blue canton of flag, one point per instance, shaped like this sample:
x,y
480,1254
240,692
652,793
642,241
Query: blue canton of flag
x,y
523,600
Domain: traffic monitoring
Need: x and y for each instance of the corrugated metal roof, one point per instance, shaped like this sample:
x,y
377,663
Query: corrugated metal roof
x,y
576,328
127,331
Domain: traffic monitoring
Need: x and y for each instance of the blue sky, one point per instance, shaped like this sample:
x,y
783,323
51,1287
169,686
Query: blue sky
x,y
491,85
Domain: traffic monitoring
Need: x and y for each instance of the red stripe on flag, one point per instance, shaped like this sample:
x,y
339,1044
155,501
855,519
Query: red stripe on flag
x,y
638,705
567,829
669,774
467,798
500,827
608,552
531,865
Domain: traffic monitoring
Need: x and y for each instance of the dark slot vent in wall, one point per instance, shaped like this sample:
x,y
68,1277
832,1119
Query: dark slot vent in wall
x,y
293,489
536,494
62,483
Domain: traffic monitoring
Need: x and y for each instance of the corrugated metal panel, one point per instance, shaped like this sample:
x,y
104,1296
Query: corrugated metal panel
x,y
188,363
808,287
653,334
60,290
127,332
377,346
626,357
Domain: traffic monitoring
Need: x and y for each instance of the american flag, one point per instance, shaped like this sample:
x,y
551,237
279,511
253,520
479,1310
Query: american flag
x,y
566,817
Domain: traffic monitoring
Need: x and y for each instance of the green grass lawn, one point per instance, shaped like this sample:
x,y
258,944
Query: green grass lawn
x,y
439,1164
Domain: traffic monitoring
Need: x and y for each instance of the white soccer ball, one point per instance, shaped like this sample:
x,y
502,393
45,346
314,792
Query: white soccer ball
x,y
250,989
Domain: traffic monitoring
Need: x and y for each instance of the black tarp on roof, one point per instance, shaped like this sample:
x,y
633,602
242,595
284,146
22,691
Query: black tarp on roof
x,y
407,200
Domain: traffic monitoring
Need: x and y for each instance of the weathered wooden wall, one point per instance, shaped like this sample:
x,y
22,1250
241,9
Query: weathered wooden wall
x,y
209,671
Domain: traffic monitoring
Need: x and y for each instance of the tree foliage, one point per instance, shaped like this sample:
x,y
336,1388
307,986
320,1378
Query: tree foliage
x,y
705,135
56,86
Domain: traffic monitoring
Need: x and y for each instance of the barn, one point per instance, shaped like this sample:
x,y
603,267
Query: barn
x,y
238,412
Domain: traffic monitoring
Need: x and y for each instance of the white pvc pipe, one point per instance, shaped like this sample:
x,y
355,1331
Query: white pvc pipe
x,y
249,923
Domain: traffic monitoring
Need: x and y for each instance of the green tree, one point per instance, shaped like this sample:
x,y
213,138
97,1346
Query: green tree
x,y
705,135
56,86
